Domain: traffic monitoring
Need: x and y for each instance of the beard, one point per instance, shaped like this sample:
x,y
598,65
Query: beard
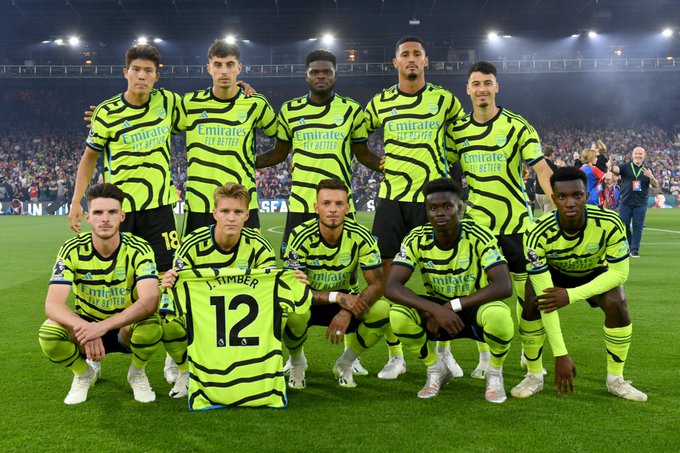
x,y
412,76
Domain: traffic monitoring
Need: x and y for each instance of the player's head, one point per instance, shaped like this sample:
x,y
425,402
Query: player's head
x,y
331,203
224,64
638,155
231,208
570,194
410,59
548,151
589,156
443,203
320,66
482,85
105,209
599,146
141,68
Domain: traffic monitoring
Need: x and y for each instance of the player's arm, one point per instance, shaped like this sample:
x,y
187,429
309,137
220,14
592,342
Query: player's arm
x,y
543,174
499,288
56,308
375,286
443,316
143,307
367,158
615,276
85,172
275,155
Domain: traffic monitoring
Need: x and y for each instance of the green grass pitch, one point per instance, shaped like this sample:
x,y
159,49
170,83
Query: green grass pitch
x,y
375,416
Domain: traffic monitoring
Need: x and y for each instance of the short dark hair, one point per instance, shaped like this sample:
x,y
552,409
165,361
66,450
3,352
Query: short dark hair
x,y
320,55
442,185
548,151
332,184
405,39
142,52
105,190
221,49
568,174
484,67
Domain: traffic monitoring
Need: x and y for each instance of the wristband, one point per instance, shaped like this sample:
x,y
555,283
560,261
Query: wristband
x,y
332,297
455,304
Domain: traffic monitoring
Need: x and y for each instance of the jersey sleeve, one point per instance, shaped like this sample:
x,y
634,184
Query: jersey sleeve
x,y
540,279
359,128
530,145
372,118
63,270
98,136
176,101
268,122
455,111
293,295
144,264
183,114
369,255
451,151
295,257
408,253
489,253
265,257
283,131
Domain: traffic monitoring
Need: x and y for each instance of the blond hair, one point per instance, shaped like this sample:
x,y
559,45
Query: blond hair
x,y
232,190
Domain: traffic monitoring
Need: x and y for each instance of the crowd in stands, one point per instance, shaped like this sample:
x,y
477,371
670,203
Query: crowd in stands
x,y
41,146
41,165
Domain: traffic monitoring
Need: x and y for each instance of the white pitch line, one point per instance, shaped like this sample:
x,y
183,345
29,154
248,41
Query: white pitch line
x,y
276,229
663,231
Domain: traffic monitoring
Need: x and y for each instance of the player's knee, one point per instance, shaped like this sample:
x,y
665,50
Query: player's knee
x,y
497,320
173,329
147,333
380,310
615,307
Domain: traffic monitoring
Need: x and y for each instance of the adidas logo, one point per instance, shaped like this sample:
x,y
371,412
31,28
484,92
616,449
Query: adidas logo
x,y
302,122
466,142
429,265
316,263
126,124
88,276
393,111
204,115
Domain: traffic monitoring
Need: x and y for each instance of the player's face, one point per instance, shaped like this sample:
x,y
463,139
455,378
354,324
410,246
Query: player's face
x,y
410,60
442,210
230,215
570,200
331,206
224,71
320,77
638,156
105,216
482,89
141,76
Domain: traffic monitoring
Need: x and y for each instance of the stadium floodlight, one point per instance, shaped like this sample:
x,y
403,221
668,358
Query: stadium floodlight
x,y
157,40
576,35
592,34
507,36
142,40
47,41
73,41
245,40
59,42
492,36
313,39
328,39
230,39
667,32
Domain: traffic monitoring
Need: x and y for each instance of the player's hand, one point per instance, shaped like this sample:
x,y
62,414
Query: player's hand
x,y
352,303
75,216
338,326
89,331
302,277
552,299
381,165
446,319
565,373
88,115
94,350
247,89
169,278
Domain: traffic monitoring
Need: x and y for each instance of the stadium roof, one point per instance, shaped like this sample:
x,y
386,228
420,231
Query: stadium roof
x,y
461,22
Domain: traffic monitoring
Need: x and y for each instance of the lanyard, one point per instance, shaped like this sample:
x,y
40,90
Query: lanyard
x,y
636,174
